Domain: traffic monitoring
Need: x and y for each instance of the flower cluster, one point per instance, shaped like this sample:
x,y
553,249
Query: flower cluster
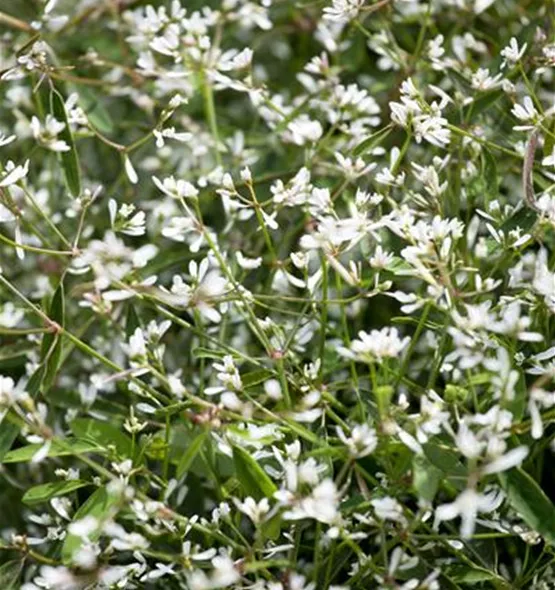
x,y
276,294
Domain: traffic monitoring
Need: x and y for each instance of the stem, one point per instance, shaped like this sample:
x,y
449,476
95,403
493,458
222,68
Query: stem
x,y
43,214
210,110
15,23
413,341
6,240
323,316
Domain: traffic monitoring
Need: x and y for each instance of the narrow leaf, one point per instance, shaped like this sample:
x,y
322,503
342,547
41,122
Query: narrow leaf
x,y
44,492
530,502
489,167
57,449
255,377
189,456
51,346
98,505
102,433
425,478
372,141
68,159
253,478
482,104
8,430
445,459
8,434
9,574
94,109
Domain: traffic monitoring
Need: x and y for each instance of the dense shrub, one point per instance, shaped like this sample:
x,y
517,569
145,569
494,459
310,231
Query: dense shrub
x,y
276,294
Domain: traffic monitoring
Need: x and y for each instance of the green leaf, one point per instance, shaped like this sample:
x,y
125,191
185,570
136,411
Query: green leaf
x,y
465,574
51,346
525,218
253,478
549,140
8,430
58,449
425,478
302,431
94,109
189,455
69,159
255,377
99,505
9,574
483,103
132,320
207,353
530,502
372,141
8,434
445,459
44,492
102,433
271,528
35,380
489,167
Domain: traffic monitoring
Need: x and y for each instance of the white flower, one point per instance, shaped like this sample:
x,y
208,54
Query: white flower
x,y
111,260
225,573
272,387
6,139
130,171
177,189
304,130
467,505
161,570
47,134
321,504
388,509
353,168
381,259
376,345
482,5
8,392
248,263
136,349
481,80
549,160
84,526
59,578
433,129
13,173
42,453
256,511
362,442
171,133
526,112
511,459
512,53
467,442
343,10
208,285
124,221
10,316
